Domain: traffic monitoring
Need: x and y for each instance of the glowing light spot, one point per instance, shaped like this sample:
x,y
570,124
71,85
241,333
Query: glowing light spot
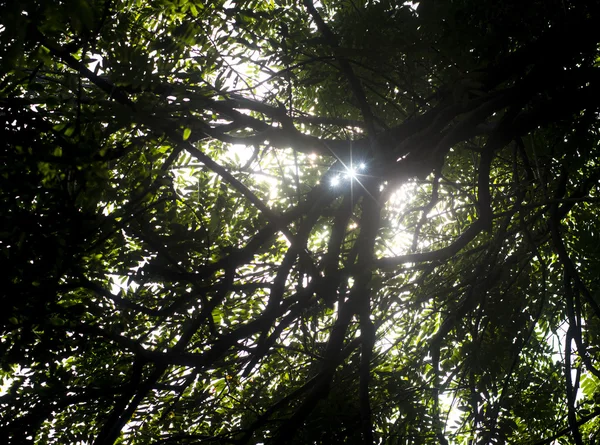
x,y
335,181
361,166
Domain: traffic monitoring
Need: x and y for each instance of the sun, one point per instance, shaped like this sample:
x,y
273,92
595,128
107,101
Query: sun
x,y
350,173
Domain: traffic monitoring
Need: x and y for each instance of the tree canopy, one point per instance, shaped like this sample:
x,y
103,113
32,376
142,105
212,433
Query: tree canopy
x,y
299,222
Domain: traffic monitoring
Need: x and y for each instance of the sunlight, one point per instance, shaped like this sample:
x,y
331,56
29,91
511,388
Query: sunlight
x,y
351,173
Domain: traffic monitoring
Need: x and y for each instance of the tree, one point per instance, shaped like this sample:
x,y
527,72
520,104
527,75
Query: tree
x,y
300,222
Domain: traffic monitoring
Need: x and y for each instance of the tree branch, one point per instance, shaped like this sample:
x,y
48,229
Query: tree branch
x,y
355,85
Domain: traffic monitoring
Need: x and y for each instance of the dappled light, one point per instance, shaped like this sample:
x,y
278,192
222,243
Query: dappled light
x,y
299,222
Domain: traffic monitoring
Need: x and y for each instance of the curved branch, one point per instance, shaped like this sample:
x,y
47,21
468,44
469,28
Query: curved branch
x,y
436,255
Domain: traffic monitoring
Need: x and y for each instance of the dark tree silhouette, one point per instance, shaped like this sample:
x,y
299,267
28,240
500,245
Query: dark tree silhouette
x,y
289,222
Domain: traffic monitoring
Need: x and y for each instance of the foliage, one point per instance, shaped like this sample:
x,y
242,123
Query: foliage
x,y
293,222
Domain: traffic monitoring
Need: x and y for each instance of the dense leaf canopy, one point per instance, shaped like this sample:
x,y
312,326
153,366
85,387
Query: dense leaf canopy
x,y
298,222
